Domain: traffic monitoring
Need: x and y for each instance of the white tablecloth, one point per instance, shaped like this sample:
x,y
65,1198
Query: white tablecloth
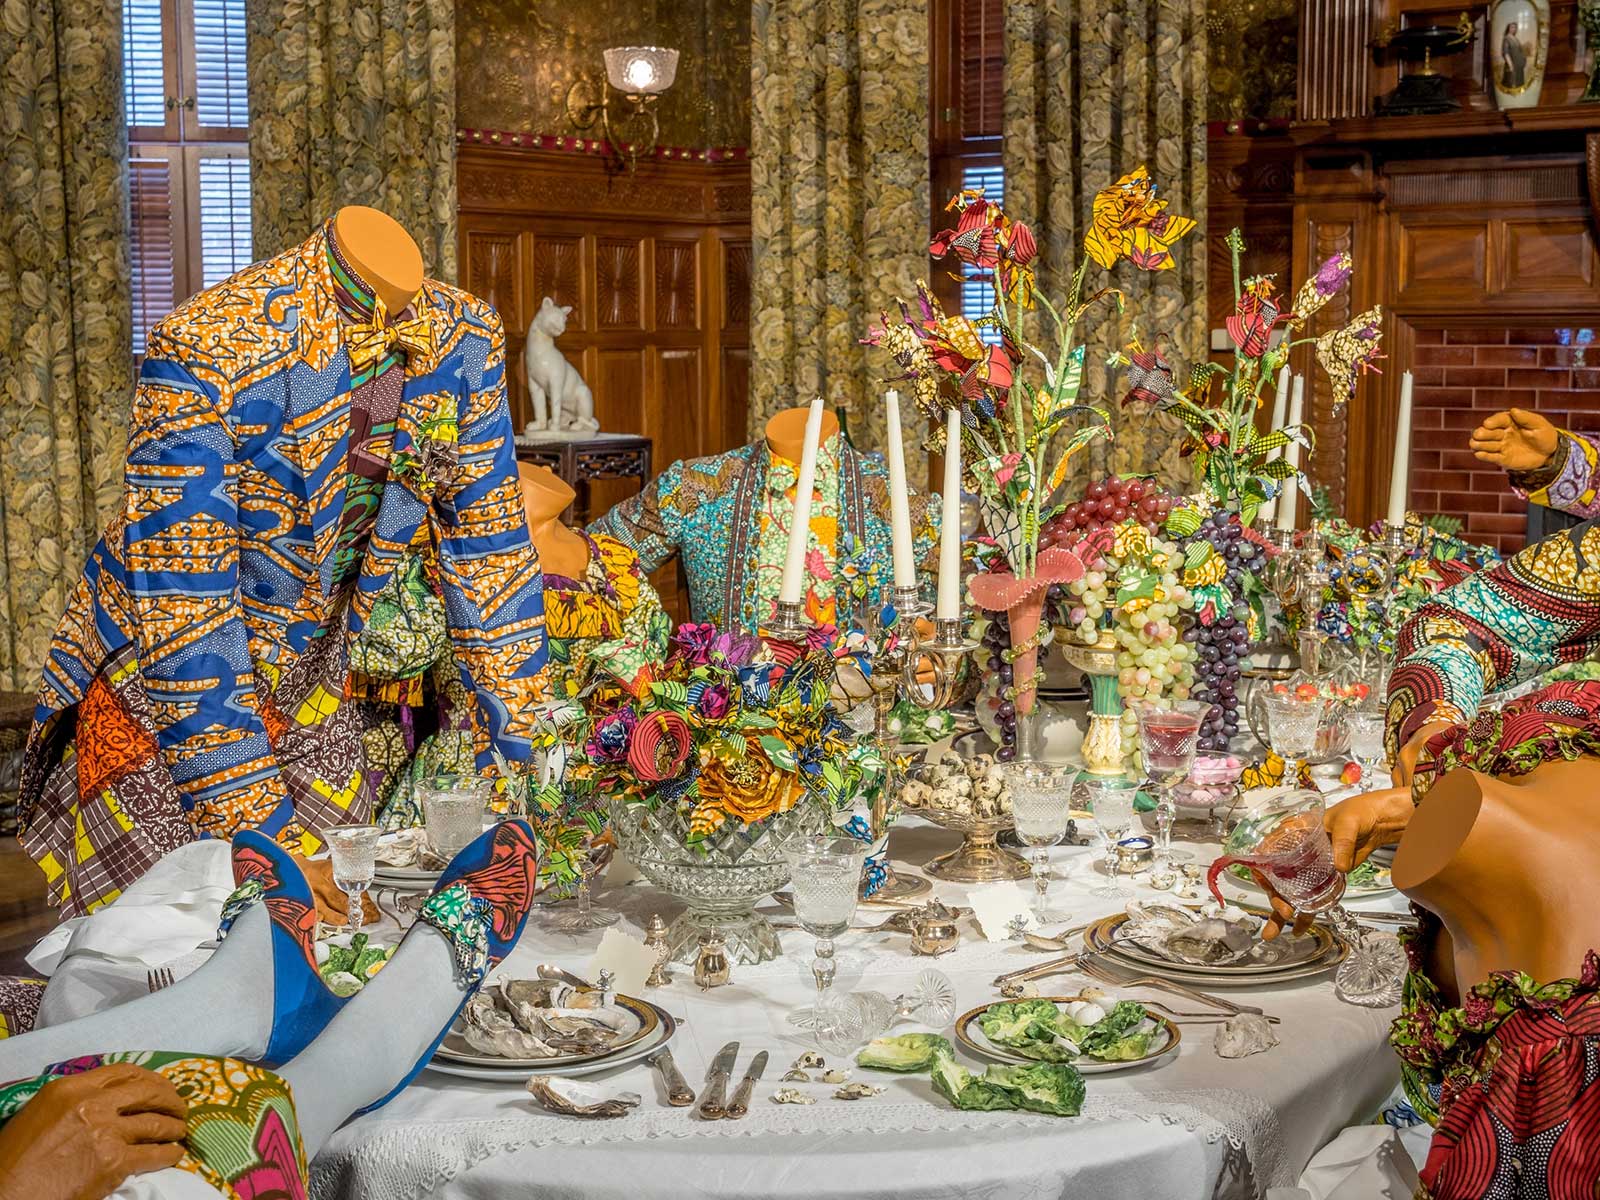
x,y
1193,1126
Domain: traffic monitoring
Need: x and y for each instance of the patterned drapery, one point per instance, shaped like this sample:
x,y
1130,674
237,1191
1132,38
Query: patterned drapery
x,y
66,362
353,102
1093,89
839,206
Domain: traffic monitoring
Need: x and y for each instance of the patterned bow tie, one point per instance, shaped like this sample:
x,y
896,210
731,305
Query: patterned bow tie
x,y
370,341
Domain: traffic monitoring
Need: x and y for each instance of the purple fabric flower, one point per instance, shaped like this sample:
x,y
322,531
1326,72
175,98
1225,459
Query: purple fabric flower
x,y
1329,280
715,702
694,642
612,733
736,649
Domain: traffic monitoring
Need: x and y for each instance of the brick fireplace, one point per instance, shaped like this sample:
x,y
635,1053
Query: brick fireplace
x,y
1463,375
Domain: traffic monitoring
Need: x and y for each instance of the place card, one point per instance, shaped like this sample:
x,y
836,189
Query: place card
x,y
627,958
996,905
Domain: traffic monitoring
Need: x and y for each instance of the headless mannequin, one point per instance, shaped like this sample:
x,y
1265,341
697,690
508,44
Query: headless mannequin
x,y
1509,866
382,253
786,432
562,551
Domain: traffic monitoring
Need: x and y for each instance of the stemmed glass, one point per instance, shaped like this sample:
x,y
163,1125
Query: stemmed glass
x,y
1111,801
931,1001
826,875
452,810
1288,848
354,850
1167,740
1365,723
1292,724
584,916
1041,805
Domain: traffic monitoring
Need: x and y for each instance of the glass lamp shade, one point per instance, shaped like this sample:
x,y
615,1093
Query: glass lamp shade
x,y
641,70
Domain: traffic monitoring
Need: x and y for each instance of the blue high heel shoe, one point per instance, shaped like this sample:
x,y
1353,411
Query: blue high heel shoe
x,y
265,873
480,904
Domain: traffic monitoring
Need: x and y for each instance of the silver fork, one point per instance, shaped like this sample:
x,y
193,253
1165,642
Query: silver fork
x,y
158,978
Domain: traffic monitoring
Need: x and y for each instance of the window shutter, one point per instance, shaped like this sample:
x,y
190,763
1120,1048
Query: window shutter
x,y
152,253
220,92
144,81
224,203
982,59
977,298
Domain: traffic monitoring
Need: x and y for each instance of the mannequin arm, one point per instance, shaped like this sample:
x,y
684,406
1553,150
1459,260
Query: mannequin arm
x,y
1536,610
651,523
181,552
1570,482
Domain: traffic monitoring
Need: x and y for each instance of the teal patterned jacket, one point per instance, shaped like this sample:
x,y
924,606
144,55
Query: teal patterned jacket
x,y
706,512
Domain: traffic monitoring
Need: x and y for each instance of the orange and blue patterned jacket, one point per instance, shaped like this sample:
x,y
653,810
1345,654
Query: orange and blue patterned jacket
x,y
220,562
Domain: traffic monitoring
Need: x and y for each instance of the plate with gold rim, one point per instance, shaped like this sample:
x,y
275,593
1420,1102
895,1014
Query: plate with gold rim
x,y
969,1032
1319,948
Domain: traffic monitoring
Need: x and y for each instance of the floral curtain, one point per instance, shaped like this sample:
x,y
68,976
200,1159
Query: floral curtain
x,y
353,102
66,359
840,176
1094,89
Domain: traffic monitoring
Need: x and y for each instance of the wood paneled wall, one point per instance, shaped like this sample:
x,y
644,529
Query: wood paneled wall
x,y
656,267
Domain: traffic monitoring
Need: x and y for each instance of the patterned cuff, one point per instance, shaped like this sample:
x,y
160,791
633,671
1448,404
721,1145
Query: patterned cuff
x,y
1537,480
464,920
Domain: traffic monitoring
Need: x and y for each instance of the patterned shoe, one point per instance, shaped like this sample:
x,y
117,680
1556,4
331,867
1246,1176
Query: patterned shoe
x,y
302,1005
480,905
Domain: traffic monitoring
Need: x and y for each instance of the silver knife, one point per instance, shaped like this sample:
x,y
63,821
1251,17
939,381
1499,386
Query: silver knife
x,y
679,1093
740,1104
712,1108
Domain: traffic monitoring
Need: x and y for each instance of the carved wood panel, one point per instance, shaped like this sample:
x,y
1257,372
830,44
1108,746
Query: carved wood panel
x,y
492,275
1328,462
1549,256
558,273
1444,262
677,285
617,269
678,384
738,259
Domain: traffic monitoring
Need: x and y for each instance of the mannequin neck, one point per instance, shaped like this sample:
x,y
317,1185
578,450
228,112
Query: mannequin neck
x,y
545,497
379,250
786,432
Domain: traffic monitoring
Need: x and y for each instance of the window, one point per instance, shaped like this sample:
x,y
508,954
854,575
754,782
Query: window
x,y
966,93
184,84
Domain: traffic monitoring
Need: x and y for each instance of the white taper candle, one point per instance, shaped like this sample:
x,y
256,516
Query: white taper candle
x,y
1280,409
794,563
949,605
1400,475
1287,511
905,559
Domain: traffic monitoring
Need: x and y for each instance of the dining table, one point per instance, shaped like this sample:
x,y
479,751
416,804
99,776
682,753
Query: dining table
x,y
1191,1125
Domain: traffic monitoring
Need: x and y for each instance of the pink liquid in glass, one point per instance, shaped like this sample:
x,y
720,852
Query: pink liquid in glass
x,y
1168,741
1296,859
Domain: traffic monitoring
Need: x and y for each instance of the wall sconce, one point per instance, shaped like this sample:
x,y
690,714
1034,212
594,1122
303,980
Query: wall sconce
x,y
641,74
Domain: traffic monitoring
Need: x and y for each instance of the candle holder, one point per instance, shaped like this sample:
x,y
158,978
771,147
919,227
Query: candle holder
x,y
789,624
896,665
1396,546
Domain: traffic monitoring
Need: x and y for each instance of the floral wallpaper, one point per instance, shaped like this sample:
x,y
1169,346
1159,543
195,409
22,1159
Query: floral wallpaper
x,y
839,178
1094,89
516,60
1254,58
66,373
352,102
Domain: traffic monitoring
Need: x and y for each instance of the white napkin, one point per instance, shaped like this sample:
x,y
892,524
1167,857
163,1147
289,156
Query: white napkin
x,y
1365,1162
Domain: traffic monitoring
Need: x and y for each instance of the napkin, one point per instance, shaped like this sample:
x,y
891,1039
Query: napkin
x,y
996,905
627,958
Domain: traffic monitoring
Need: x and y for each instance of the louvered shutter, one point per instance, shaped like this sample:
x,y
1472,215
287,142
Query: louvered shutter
x,y
155,230
981,65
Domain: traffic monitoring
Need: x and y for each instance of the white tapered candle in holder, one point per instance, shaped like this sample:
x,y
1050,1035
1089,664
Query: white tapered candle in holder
x,y
794,563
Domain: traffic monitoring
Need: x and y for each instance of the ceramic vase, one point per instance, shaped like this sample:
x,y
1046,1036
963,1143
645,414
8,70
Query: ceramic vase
x,y
1519,46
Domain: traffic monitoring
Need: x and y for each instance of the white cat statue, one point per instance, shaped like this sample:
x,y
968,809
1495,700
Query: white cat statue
x,y
562,402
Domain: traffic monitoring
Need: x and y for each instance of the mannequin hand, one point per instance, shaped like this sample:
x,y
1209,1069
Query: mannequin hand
x,y
82,1135
1356,827
1405,766
1517,440
332,904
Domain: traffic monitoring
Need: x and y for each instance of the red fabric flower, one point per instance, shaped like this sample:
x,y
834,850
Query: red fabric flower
x,y
660,746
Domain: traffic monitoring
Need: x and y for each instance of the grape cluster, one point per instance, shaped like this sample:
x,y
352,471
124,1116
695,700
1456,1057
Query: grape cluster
x,y
997,640
1221,638
1105,503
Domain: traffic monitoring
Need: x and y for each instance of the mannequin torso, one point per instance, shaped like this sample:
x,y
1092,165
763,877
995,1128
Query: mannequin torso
x,y
562,551
382,253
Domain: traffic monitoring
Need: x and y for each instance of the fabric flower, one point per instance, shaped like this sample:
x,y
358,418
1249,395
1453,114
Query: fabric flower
x,y
612,733
749,788
715,702
693,642
1345,354
1330,278
1007,468
975,239
1250,325
1149,378
659,747
1130,222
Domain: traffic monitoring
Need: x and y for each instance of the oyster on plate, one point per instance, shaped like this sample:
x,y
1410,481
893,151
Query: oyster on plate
x,y
509,1021
579,1098
1212,936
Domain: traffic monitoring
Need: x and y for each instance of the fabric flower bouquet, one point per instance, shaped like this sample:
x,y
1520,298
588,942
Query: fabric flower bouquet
x,y
725,739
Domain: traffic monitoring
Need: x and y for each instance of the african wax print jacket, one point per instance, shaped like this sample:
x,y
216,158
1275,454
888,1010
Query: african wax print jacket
x,y
726,518
222,564
1536,610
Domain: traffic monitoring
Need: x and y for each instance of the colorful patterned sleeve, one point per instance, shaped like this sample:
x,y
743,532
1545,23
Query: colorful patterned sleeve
x,y
651,523
1571,482
181,553
1536,610
494,589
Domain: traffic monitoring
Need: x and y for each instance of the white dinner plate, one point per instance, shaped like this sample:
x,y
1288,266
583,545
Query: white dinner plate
x,y
969,1032
401,876
643,1021
608,1062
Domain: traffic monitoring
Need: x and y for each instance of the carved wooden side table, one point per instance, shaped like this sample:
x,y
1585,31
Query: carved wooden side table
x,y
581,460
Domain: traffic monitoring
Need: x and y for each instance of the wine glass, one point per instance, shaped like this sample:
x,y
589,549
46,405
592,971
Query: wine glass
x,y
452,810
1041,804
826,875
354,850
1111,801
1168,737
931,1001
1366,724
1292,724
584,916
1288,847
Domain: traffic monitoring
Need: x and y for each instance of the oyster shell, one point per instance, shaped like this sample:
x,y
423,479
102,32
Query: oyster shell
x,y
403,849
579,1098
835,1076
792,1096
1213,936
857,1091
1243,1035
539,993
502,1022
809,1061
796,1076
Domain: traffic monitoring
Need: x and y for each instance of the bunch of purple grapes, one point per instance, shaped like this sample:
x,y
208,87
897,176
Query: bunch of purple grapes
x,y
996,640
1223,644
